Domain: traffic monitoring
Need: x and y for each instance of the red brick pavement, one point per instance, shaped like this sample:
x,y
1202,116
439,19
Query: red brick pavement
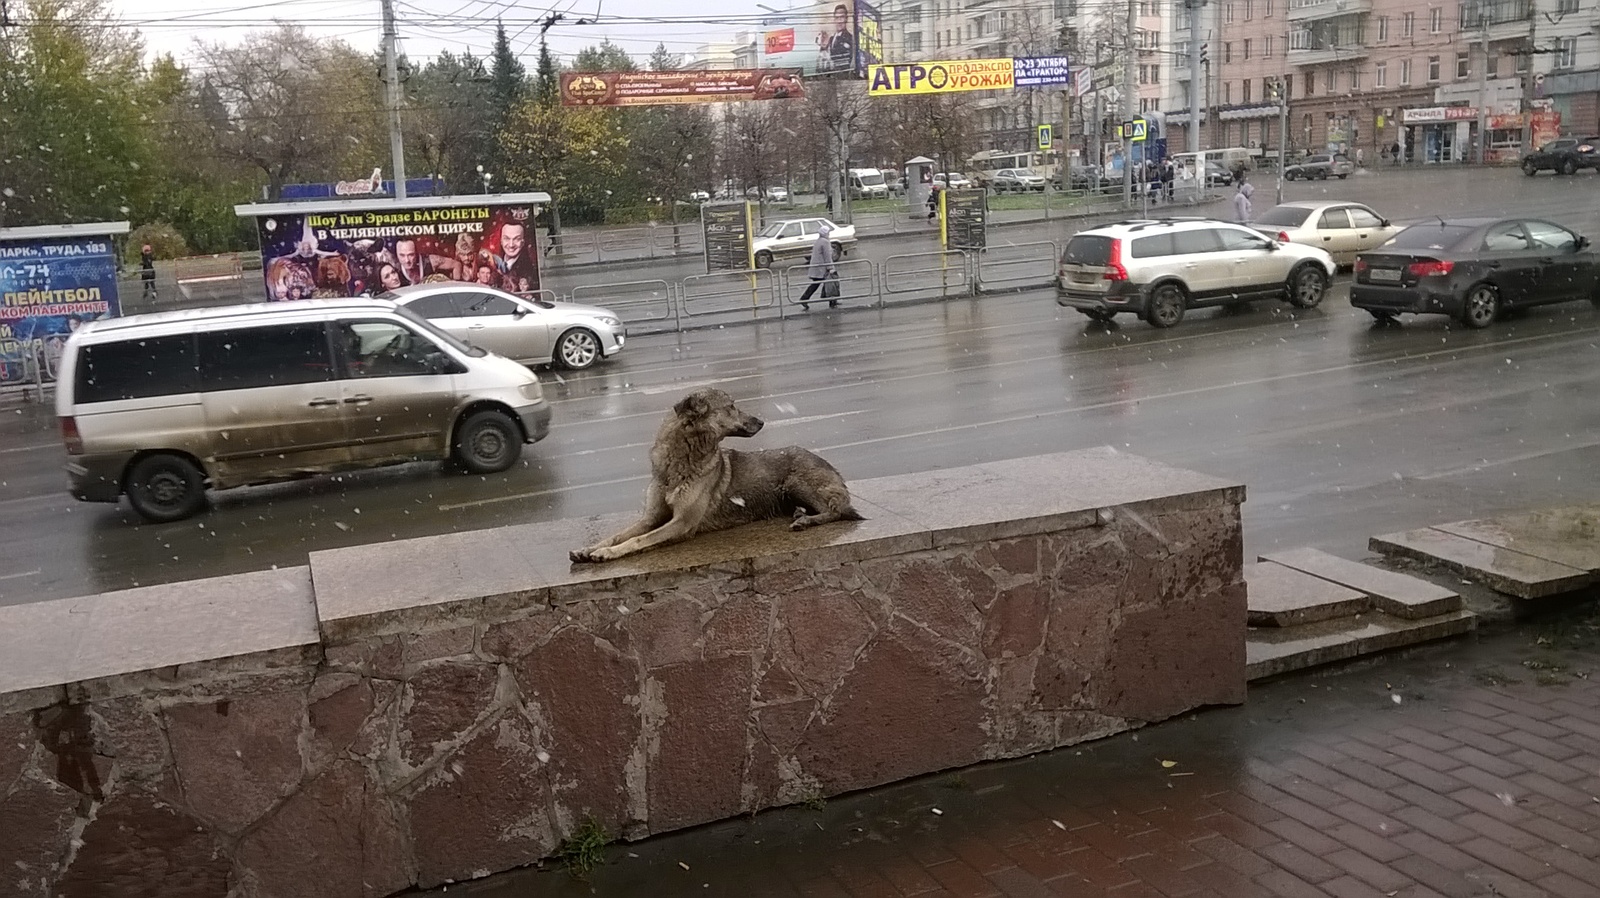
x,y
1484,779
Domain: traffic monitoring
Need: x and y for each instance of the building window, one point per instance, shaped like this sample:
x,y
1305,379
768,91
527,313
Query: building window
x,y
1244,88
1563,6
1408,24
1435,20
1405,71
1288,86
1521,67
1267,50
1355,79
1144,74
1380,75
1463,65
1268,12
1491,65
1566,52
1227,13
1248,12
1330,82
1433,68
937,45
1227,52
913,15
914,43
1246,48
1155,73
1311,83
1383,28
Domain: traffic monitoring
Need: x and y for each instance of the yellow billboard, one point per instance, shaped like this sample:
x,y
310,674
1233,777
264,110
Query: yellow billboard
x,y
939,77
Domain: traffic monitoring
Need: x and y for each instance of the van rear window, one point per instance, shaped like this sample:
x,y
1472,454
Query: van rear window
x,y
136,369
1087,249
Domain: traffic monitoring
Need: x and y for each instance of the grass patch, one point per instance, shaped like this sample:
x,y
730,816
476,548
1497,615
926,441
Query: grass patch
x,y
585,849
814,801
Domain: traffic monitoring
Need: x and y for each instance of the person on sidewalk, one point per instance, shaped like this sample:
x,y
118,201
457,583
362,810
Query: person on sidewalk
x,y
1241,201
820,269
147,271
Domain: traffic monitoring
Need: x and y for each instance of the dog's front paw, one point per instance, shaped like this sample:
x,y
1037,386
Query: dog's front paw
x,y
581,556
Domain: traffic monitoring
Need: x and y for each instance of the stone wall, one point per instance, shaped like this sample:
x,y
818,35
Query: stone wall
x,y
443,708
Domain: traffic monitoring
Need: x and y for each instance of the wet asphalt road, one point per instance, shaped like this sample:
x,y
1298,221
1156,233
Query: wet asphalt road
x,y
1341,428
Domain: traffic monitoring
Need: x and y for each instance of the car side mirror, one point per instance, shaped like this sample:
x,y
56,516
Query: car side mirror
x,y
1383,223
1583,242
519,312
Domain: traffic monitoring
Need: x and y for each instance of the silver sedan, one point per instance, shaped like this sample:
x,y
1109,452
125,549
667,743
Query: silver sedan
x,y
1343,229
530,331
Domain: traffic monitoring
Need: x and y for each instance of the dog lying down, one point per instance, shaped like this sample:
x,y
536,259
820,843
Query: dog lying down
x,y
696,486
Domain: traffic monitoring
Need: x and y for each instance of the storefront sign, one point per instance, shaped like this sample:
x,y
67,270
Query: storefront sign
x,y
1041,71
727,236
1428,115
672,88
939,77
49,286
340,253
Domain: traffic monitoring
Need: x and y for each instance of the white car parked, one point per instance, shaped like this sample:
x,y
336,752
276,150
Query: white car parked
x,y
952,180
794,237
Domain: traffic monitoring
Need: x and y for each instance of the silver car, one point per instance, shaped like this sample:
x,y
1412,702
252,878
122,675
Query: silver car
x,y
530,331
1343,229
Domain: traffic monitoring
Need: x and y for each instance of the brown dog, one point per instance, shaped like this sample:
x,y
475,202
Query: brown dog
x,y
697,487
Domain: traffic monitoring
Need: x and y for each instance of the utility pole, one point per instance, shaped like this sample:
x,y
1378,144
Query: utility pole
x,y
1483,88
1195,34
391,65
1130,100
1281,89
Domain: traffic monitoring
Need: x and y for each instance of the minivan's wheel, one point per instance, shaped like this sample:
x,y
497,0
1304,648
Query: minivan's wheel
x,y
1483,304
763,259
1384,316
1529,169
165,487
577,349
487,442
1568,167
1167,305
1307,283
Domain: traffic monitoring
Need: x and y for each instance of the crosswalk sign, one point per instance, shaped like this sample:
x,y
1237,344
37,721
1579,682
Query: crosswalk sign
x,y
1046,137
1138,129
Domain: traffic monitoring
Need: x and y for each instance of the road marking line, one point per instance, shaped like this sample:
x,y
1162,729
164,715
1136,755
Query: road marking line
x,y
1510,460
31,448
21,575
809,418
537,493
690,386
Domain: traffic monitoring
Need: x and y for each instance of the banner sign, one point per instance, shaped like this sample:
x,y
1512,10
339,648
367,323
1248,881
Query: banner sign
x,y
727,236
795,39
869,37
48,288
939,77
1042,71
965,212
336,254
669,88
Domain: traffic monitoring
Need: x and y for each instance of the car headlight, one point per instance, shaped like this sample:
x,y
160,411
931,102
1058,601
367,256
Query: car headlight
x,y
609,321
532,390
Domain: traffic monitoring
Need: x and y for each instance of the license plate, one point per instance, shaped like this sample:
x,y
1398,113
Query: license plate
x,y
1390,275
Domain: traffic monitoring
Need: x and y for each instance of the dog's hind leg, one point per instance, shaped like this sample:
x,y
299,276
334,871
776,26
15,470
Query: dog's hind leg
x,y
827,503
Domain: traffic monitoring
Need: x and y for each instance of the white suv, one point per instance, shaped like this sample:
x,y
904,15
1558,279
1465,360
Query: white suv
x,y
1160,268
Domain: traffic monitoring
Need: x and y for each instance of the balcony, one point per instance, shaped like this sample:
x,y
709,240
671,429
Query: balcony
x,y
1321,55
1503,19
1331,40
1310,10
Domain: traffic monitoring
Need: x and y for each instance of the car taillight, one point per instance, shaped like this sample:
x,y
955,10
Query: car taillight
x,y
1283,236
1114,269
1360,266
1430,268
70,436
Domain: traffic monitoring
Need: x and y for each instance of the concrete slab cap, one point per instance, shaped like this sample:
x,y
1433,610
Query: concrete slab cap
x,y
1569,536
1390,592
1284,597
1270,651
1503,570
75,640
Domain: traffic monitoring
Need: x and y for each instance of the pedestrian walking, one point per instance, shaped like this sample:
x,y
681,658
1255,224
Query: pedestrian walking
x,y
147,271
1241,201
933,202
820,270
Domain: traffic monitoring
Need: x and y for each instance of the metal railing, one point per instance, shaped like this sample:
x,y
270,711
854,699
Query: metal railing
x,y
943,271
1017,265
721,292
858,280
633,301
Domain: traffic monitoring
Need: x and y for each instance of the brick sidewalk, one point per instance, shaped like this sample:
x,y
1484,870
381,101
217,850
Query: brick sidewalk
x,y
1482,780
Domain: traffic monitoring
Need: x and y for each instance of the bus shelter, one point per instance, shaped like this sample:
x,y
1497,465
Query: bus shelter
x,y
52,279
335,248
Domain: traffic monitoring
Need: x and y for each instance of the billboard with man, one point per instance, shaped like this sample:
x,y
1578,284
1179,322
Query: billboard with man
x,y
818,40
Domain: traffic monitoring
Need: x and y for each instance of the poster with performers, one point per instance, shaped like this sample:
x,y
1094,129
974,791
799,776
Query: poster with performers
x,y
50,286
367,251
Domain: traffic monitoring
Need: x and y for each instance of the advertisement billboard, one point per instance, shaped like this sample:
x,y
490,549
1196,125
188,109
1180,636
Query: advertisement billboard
x,y
869,37
939,77
820,40
1041,71
355,251
728,233
672,88
49,286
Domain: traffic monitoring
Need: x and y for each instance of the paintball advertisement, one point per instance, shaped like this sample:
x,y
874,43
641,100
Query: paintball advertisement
x,y
336,254
48,288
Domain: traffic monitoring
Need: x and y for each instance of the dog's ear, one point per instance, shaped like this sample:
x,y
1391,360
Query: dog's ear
x,y
691,406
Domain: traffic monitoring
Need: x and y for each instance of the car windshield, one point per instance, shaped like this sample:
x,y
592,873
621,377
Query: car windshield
x,y
1283,217
1087,249
1433,236
871,179
773,230
439,335
1026,173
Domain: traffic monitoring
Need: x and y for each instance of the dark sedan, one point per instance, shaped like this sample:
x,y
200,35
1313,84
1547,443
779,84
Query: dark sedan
x,y
1472,268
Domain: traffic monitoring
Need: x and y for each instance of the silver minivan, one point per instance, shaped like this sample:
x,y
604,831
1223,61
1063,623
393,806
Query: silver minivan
x,y
161,407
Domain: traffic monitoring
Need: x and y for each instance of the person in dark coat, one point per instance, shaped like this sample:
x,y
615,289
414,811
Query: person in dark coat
x,y
147,270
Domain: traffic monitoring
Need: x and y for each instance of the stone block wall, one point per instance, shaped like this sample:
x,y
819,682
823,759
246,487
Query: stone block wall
x,y
445,708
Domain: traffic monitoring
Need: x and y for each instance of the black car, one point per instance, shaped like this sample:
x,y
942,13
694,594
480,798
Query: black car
x,y
1564,156
1472,268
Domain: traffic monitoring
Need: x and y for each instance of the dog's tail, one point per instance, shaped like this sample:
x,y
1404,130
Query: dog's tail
x,y
849,513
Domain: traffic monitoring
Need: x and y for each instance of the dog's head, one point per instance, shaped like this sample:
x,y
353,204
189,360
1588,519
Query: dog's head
x,y
714,410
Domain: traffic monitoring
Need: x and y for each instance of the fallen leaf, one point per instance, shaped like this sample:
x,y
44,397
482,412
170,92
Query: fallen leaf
x,y
1396,699
1506,798
683,865
1059,824
1169,763
938,812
